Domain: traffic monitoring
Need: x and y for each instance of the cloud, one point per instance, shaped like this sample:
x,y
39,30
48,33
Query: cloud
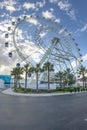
x,y
5,69
6,63
4,15
72,15
53,1
61,31
43,34
33,21
40,4
9,5
51,9
83,29
67,7
57,20
47,14
84,59
64,5
28,5
10,8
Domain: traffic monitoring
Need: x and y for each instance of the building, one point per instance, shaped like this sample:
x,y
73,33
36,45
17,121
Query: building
x,y
6,79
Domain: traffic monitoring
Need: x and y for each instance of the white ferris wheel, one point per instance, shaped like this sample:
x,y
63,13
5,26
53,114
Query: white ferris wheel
x,y
38,40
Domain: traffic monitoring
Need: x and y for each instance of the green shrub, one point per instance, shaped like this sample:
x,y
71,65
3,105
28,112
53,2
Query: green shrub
x,y
71,90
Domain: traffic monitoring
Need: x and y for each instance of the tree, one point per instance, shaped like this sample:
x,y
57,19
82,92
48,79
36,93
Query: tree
x,y
36,69
17,72
69,77
48,67
83,72
26,69
60,77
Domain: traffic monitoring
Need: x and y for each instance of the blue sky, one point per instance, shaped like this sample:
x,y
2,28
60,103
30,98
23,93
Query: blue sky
x,y
72,14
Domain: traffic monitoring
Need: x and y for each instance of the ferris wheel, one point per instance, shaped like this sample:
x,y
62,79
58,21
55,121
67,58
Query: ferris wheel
x,y
38,40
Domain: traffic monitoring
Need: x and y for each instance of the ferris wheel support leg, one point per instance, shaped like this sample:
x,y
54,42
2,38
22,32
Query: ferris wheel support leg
x,y
47,53
49,50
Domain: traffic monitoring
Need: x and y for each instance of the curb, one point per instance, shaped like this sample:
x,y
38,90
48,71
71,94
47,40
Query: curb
x,y
10,92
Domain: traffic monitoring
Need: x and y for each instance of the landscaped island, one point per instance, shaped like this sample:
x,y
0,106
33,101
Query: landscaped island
x,y
57,90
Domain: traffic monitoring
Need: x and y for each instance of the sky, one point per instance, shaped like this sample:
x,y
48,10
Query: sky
x,y
71,14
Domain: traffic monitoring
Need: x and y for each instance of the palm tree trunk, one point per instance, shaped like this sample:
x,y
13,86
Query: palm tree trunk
x,y
37,82
48,80
25,81
16,82
60,82
83,83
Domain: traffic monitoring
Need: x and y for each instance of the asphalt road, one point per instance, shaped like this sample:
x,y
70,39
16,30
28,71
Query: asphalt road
x,y
43,113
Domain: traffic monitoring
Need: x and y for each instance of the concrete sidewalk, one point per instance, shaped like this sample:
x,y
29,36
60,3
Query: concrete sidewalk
x,y
11,92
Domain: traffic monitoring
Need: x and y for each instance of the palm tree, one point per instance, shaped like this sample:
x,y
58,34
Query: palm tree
x,y
26,69
69,77
60,76
36,69
17,72
48,67
83,72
